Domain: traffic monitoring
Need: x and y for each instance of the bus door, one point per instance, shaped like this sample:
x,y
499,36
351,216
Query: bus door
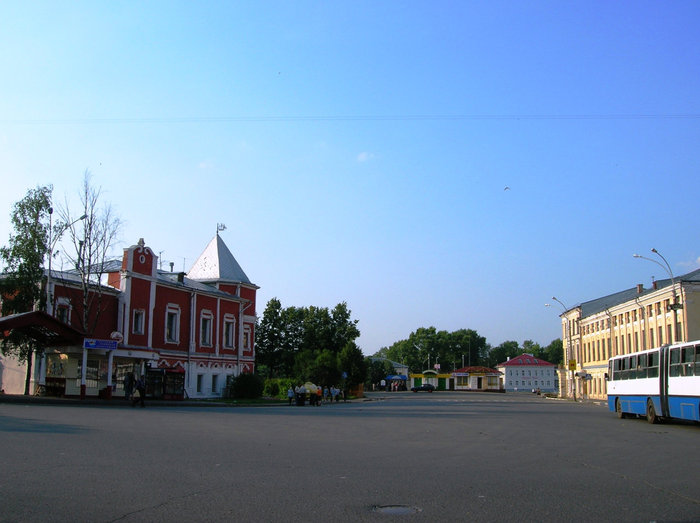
x,y
664,361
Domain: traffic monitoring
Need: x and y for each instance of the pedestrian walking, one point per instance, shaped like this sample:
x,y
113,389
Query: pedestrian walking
x,y
128,385
141,389
290,395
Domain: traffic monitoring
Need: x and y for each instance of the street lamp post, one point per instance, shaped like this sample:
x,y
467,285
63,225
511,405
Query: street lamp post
x,y
675,305
569,348
49,308
52,244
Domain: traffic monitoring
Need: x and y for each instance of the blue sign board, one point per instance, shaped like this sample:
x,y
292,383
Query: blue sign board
x,y
91,343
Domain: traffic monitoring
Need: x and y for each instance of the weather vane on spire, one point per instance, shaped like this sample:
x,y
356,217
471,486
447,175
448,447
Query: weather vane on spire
x,y
220,227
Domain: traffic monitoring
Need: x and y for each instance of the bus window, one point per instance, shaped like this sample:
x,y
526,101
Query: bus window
x,y
675,356
697,360
653,361
642,366
688,354
674,363
634,367
687,361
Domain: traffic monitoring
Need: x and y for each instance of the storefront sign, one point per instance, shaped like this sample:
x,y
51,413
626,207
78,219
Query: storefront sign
x,y
91,343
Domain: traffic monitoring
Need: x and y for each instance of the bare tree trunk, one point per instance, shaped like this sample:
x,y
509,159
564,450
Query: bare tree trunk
x,y
28,379
92,236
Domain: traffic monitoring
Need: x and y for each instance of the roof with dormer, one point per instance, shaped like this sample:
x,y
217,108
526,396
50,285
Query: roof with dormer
x,y
589,308
477,369
526,359
217,264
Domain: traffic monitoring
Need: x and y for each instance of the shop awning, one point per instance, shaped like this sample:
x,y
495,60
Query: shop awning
x,y
44,328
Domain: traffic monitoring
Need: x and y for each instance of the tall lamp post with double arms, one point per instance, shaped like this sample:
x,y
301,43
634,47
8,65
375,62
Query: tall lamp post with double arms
x,y
569,348
675,305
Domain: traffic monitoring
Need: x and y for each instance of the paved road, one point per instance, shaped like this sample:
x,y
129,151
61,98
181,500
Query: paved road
x,y
427,457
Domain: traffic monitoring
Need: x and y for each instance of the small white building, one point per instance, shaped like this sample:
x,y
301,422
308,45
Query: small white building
x,y
526,373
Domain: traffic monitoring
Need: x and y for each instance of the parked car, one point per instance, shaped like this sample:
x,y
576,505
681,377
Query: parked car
x,y
426,386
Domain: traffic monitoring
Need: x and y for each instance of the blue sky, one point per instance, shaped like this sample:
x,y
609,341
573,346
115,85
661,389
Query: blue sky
x,y
359,151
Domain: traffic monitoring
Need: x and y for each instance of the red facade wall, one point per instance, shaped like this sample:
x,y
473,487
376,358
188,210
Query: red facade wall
x,y
140,300
114,279
180,298
232,309
249,294
102,320
207,303
143,260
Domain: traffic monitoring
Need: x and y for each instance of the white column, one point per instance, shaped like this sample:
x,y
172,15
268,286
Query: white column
x,y
42,369
110,359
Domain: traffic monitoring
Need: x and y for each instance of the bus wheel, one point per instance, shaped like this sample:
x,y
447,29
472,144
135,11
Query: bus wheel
x,y
651,412
618,410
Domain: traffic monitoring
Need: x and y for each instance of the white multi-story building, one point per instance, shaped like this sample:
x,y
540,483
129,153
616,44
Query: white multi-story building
x,y
526,373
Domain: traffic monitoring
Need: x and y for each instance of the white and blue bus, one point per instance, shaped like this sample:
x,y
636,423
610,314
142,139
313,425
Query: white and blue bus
x,y
656,383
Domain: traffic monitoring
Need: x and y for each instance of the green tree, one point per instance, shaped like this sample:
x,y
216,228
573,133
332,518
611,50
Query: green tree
x,y
530,347
317,329
298,341
343,327
352,362
304,366
324,370
20,286
377,370
247,386
427,346
269,339
467,348
501,353
554,352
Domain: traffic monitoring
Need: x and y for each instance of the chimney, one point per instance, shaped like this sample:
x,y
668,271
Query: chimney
x,y
654,285
172,264
181,277
640,288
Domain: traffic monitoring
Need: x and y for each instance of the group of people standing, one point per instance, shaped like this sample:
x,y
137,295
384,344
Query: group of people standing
x,y
132,385
319,396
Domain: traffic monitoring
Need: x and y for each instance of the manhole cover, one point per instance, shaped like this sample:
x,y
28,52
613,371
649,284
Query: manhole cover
x,y
395,510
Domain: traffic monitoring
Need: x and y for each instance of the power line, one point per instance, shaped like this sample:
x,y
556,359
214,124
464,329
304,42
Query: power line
x,y
342,118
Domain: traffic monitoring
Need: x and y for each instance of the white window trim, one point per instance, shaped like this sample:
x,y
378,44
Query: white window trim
x,y
206,315
247,337
172,308
63,303
229,319
143,321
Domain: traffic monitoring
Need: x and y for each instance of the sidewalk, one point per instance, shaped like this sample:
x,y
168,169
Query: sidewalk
x,y
121,402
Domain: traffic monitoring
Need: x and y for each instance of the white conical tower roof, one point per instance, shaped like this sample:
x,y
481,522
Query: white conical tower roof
x,y
217,263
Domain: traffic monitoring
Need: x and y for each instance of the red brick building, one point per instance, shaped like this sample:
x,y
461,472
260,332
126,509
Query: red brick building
x,y
185,332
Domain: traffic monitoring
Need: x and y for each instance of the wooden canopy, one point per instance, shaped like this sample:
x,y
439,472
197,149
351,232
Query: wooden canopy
x,y
42,327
